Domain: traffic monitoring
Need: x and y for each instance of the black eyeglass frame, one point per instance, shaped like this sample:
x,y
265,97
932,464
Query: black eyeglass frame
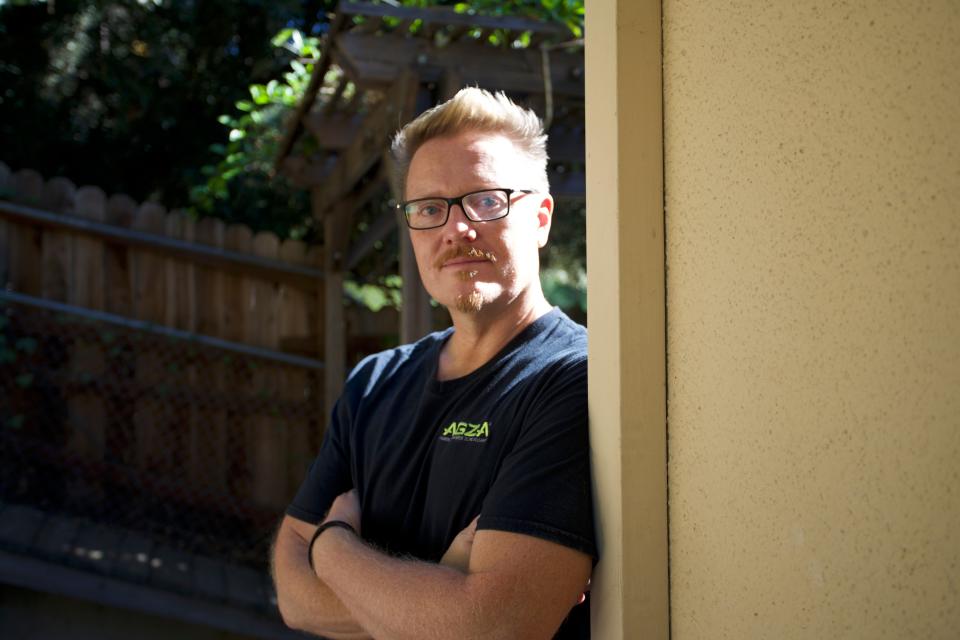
x,y
402,206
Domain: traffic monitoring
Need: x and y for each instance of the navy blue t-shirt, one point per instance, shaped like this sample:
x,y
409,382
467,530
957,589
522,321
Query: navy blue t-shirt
x,y
507,441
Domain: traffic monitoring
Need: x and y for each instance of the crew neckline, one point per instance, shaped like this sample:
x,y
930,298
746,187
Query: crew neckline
x,y
442,386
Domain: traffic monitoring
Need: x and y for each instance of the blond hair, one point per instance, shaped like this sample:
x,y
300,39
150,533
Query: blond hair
x,y
473,109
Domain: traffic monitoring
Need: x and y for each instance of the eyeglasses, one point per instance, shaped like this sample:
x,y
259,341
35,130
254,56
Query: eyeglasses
x,y
479,206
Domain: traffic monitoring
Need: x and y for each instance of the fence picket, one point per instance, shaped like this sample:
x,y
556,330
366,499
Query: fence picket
x,y
120,212
180,282
269,432
87,409
87,286
57,246
152,414
208,457
26,253
239,326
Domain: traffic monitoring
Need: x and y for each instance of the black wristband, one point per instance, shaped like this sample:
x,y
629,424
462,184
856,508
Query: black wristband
x,y
321,529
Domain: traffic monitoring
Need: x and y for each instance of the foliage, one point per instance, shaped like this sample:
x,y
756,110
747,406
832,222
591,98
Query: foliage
x,y
246,156
375,296
125,94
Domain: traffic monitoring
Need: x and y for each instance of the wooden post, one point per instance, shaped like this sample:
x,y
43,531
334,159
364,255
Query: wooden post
x,y
415,316
415,312
335,334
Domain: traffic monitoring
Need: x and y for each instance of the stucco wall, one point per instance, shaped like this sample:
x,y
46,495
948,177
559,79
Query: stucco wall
x,y
812,181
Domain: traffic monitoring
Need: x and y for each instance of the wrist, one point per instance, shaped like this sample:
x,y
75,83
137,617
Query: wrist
x,y
329,524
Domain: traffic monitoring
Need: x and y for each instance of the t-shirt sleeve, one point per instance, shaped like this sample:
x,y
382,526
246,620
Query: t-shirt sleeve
x,y
330,474
543,487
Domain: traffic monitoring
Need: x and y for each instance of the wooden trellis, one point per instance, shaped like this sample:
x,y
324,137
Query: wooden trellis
x,y
380,66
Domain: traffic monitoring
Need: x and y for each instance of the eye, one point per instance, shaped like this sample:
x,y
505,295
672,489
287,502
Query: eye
x,y
487,202
426,208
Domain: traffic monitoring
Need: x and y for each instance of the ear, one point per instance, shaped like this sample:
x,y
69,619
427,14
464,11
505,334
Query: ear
x,y
544,219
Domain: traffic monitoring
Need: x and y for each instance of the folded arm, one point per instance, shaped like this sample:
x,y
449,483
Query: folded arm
x,y
516,586
305,602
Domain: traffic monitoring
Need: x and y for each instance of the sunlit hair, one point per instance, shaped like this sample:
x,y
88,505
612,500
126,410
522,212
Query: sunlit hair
x,y
474,109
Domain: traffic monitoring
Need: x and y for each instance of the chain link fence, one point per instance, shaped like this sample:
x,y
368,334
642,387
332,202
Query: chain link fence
x,y
194,442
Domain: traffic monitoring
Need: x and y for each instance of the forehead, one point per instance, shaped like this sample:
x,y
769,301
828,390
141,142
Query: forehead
x,y
471,160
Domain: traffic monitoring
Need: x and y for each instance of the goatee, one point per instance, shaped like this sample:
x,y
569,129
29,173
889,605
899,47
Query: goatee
x,y
470,303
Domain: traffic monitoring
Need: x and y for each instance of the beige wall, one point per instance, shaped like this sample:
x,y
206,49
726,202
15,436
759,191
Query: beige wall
x,y
812,191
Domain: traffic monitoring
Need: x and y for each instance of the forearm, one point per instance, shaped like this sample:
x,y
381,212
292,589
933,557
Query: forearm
x,y
396,598
305,602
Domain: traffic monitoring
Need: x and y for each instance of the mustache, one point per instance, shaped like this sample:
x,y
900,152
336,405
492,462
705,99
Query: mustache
x,y
464,252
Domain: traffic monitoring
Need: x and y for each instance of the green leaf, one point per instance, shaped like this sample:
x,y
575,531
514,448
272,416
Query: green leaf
x,y
24,380
261,94
281,38
27,345
16,422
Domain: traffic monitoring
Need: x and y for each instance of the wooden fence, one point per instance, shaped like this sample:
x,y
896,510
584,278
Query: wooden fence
x,y
110,255
231,283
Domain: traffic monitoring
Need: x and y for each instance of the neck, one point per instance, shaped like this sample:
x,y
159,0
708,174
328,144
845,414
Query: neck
x,y
478,337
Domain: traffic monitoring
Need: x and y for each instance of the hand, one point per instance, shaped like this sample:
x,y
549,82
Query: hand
x,y
346,508
457,555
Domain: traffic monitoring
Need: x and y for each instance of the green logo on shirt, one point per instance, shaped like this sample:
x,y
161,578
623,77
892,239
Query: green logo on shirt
x,y
466,431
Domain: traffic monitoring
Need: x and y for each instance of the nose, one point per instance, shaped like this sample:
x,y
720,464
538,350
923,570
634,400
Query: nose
x,y
459,227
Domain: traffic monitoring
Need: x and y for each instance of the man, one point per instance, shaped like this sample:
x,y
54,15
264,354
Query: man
x,y
452,487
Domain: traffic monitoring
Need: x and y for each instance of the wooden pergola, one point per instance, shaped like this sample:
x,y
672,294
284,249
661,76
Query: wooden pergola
x,y
380,66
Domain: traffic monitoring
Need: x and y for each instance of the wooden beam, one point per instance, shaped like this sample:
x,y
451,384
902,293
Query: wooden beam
x,y
235,262
381,228
331,105
83,314
310,95
446,16
366,148
335,131
377,60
